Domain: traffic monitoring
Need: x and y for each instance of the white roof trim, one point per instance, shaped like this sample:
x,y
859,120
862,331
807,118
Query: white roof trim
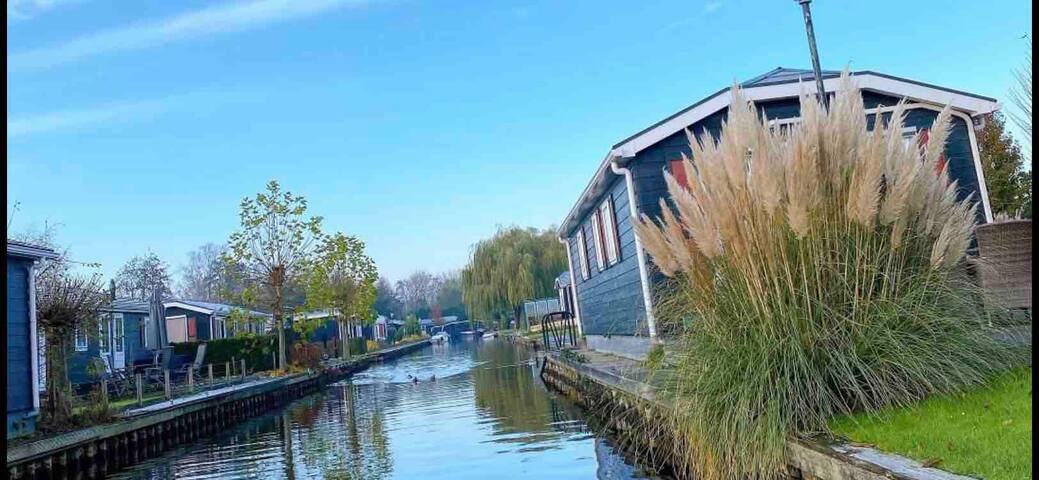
x,y
187,306
30,251
865,80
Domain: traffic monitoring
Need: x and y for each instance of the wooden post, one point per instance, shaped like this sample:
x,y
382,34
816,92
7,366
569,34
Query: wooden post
x,y
210,374
191,380
243,369
104,392
233,365
274,361
227,370
140,390
168,387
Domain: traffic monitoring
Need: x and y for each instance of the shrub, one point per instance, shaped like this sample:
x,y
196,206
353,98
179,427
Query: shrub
x,y
371,346
813,270
257,350
306,354
357,346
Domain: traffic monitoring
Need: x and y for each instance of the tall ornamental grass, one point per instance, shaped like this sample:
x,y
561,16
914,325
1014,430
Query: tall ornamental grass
x,y
815,269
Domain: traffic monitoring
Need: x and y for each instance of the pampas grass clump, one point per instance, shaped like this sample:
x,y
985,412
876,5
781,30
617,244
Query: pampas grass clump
x,y
815,269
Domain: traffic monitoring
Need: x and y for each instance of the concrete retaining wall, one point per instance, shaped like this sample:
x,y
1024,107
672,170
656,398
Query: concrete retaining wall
x,y
639,421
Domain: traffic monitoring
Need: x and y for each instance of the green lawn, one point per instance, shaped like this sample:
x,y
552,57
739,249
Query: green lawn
x,y
985,433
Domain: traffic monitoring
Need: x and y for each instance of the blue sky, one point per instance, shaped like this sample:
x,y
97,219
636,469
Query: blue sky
x,y
419,126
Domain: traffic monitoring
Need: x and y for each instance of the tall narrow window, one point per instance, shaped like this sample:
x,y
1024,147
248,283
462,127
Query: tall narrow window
x,y
597,234
118,340
582,252
103,330
678,171
144,333
608,224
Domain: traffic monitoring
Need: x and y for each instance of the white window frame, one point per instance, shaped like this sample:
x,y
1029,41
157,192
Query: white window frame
x,y
582,252
217,327
118,333
147,343
600,257
104,334
82,342
609,228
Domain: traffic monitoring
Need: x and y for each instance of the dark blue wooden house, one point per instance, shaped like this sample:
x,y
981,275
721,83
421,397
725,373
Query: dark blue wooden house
x,y
126,336
611,276
23,374
195,321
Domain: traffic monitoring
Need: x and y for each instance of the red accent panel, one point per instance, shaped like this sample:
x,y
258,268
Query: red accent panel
x,y
678,171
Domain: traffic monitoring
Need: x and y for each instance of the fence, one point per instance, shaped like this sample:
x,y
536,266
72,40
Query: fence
x,y
535,310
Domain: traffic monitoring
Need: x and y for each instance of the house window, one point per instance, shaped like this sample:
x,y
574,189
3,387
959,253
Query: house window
x,y
678,171
597,234
82,343
144,333
217,327
118,332
608,227
582,252
102,333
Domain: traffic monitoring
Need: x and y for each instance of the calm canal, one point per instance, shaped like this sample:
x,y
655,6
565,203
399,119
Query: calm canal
x,y
486,415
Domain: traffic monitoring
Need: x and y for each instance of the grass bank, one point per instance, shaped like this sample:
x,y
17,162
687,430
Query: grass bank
x,y
985,432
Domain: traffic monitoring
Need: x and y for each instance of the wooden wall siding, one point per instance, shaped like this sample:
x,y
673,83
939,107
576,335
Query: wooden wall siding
x,y
201,321
132,349
610,300
19,366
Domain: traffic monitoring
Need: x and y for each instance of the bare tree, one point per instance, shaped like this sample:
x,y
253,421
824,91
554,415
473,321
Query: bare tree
x,y
140,275
205,277
419,290
1021,95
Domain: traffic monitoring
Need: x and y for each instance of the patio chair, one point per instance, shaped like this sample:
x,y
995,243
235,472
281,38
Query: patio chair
x,y
195,367
160,363
119,382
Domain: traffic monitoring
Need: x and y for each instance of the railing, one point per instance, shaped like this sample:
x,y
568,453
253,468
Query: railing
x,y
558,330
124,390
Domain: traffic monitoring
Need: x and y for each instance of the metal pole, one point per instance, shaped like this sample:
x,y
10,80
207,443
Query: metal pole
x,y
806,10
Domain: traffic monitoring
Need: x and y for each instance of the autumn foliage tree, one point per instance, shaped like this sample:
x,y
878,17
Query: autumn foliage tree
x,y
1009,184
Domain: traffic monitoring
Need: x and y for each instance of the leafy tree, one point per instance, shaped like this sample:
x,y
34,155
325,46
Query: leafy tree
x,y
273,250
342,280
514,265
1009,185
141,275
386,301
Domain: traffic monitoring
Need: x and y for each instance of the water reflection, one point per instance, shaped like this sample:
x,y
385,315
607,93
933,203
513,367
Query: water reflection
x,y
478,410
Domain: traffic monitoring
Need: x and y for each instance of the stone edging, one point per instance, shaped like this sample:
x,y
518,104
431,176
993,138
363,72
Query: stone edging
x,y
807,459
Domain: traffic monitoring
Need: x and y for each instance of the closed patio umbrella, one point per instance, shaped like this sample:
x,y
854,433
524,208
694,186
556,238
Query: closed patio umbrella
x,y
158,312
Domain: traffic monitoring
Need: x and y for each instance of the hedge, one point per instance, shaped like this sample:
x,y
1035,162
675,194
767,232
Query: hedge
x,y
257,350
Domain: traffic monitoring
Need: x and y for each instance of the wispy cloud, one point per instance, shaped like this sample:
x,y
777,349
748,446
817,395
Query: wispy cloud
x,y
18,10
215,20
92,117
711,6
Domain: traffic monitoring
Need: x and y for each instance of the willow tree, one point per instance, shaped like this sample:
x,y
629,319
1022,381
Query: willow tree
x,y
273,251
514,265
342,280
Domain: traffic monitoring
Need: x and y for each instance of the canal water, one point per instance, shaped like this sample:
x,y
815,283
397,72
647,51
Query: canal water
x,y
478,411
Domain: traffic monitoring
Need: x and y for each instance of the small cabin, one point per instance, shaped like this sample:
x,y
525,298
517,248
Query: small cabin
x,y
195,321
611,276
126,336
23,373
